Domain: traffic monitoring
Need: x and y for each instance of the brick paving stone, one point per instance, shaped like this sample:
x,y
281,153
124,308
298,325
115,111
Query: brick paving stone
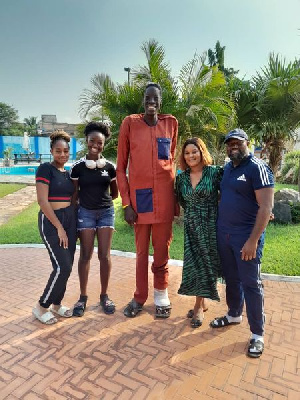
x,y
46,382
125,395
32,396
109,396
288,382
240,394
277,396
11,387
290,364
111,357
74,393
264,368
293,394
53,395
27,386
89,388
141,393
250,373
219,394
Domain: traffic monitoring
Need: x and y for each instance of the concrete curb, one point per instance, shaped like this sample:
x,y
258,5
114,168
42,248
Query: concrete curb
x,y
175,263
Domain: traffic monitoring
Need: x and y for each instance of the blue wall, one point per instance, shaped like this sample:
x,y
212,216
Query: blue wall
x,y
38,145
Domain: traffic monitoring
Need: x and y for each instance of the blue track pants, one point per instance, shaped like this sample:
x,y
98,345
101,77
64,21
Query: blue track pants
x,y
243,281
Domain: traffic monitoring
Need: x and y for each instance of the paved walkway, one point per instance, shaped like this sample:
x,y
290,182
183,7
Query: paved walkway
x,y
111,357
14,203
28,179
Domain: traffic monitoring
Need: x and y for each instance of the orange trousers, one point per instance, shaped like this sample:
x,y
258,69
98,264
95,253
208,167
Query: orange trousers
x,y
161,240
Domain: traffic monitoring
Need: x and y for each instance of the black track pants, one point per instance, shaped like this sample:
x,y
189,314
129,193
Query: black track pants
x,y
62,259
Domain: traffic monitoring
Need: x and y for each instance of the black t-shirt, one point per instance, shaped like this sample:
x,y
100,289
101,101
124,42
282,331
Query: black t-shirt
x,y
61,187
93,184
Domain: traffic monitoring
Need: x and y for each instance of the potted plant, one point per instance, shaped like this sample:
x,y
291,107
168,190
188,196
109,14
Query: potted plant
x,y
7,156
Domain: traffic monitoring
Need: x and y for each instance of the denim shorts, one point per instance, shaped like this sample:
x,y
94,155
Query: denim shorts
x,y
93,219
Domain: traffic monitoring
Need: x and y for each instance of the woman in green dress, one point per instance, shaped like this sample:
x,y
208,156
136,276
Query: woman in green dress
x,y
197,192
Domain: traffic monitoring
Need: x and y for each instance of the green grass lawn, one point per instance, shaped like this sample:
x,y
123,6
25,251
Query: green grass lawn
x,y
7,188
279,186
281,253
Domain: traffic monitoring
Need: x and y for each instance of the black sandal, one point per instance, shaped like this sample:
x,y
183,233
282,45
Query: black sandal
x,y
255,349
79,308
163,311
108,306
132,309
190,313
220,322
196,322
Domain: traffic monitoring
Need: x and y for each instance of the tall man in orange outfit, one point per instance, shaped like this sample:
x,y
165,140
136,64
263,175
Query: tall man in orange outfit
x,y
148,142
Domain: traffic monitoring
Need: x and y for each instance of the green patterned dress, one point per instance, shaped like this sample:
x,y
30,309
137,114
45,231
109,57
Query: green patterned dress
x,y
201,264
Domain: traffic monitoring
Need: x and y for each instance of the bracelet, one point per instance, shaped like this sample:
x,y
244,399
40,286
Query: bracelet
x,y
127,205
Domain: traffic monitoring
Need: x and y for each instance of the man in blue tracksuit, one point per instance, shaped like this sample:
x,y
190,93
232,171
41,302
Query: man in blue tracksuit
x,y
244,212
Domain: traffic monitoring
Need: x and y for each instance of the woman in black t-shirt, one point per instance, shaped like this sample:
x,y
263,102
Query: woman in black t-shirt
x,y
95,179
57,225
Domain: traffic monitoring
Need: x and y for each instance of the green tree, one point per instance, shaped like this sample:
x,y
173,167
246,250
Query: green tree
x,y
9,121
216,57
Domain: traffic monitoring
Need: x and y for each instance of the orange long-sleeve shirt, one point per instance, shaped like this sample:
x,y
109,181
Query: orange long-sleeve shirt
x,y
150,152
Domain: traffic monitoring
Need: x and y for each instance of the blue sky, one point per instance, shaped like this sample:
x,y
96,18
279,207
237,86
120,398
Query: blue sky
x,y
51,48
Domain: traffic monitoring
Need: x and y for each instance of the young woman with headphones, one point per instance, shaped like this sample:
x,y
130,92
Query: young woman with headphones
x,y
95,179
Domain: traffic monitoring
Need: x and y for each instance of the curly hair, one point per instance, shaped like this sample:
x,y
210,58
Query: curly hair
x,y
59,135
206,158
94,126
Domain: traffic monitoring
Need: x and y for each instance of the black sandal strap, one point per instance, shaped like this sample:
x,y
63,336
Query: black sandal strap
x,y
79,308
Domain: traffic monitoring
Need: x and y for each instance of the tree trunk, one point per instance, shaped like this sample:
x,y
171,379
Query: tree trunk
x,y
275,155
299,177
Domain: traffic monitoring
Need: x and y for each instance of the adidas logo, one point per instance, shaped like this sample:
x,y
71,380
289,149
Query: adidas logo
x,y
241,178
104,173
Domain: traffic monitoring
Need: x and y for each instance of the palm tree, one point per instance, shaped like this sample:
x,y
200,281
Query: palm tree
x,y
277,107
31,125
205,107
201,102
111,103
157,70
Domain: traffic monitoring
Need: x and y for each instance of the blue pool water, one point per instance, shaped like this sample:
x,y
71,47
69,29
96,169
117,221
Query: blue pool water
x,y
22,170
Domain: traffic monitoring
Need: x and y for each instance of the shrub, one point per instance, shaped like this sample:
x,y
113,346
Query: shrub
x,y
291,162
295,211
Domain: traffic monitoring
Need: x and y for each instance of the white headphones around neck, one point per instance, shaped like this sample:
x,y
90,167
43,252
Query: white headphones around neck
x,y
92,164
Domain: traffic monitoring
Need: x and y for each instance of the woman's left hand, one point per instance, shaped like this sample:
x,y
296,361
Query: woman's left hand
x,y
63,238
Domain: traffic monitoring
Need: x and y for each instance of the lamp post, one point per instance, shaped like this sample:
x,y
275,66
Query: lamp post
x,y
128,69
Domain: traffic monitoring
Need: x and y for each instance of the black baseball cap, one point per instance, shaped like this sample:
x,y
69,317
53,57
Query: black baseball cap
x,y
236,134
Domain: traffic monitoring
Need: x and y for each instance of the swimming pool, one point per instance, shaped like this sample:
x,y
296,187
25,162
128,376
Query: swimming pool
x,y
22,170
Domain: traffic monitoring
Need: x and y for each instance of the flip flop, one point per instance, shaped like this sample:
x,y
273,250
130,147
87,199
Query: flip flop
x,y
47,318
63,311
